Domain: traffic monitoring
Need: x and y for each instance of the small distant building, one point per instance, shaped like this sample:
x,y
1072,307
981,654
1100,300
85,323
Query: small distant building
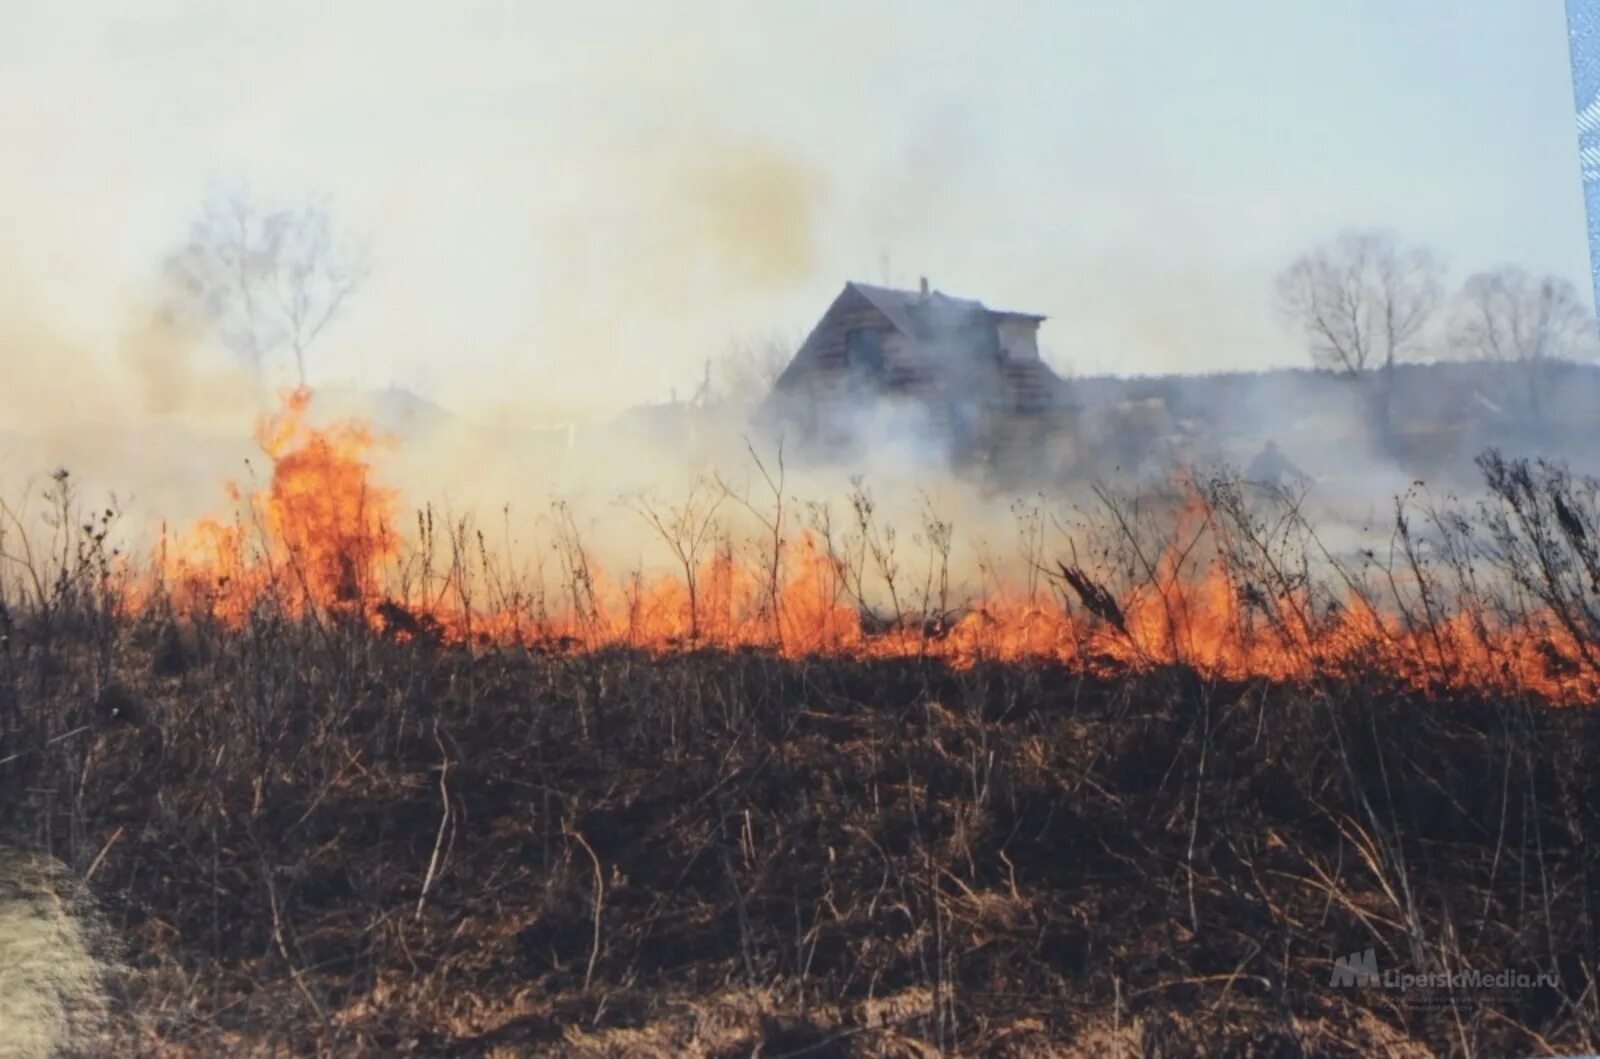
x,y
673,424
885,366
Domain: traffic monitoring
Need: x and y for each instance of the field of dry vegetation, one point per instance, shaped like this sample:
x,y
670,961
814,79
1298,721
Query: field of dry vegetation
x,y
340,821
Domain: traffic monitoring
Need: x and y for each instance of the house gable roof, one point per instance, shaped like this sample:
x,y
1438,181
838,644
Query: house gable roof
x,y
911,311
921,318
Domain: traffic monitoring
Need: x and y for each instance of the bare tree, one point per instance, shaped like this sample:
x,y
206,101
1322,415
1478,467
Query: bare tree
x,y
266,279
1509,317
1362,301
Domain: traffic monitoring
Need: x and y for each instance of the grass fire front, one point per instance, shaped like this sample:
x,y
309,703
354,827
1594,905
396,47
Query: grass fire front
x,y
325,839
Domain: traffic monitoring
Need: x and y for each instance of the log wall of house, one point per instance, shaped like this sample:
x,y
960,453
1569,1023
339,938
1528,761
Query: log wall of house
x,y
823,365
1020,414
823,356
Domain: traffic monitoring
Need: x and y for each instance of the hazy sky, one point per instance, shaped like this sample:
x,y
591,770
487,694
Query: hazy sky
x,y
570,206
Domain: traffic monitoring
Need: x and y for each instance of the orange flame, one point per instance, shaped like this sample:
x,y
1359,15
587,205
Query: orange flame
x,y
323,530
318,539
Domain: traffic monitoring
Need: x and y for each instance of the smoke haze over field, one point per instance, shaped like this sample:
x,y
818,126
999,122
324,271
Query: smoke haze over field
x,y
569,208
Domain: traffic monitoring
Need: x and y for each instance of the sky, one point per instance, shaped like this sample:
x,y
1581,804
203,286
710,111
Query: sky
x,y
570,207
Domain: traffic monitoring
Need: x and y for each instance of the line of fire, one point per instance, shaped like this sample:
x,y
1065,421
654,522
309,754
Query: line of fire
x,y
1167,626
1231,570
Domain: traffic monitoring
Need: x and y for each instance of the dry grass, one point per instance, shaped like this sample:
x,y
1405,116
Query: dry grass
x,y
313,838
419,849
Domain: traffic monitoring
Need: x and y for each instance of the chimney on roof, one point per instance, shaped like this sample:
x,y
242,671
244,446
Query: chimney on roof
x,y
924,286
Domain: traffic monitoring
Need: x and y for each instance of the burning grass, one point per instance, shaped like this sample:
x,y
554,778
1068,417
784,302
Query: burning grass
x,y
346,794
1222,577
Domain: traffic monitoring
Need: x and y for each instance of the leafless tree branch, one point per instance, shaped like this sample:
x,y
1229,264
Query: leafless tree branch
x,y
266,280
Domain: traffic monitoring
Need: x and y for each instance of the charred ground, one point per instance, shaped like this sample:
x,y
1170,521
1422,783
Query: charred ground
x,y
316,838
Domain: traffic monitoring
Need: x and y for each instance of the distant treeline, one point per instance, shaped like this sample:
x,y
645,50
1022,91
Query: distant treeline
x,y
1443,412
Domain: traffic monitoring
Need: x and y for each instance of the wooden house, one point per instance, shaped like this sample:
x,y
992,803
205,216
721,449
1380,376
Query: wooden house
x,y
971,374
